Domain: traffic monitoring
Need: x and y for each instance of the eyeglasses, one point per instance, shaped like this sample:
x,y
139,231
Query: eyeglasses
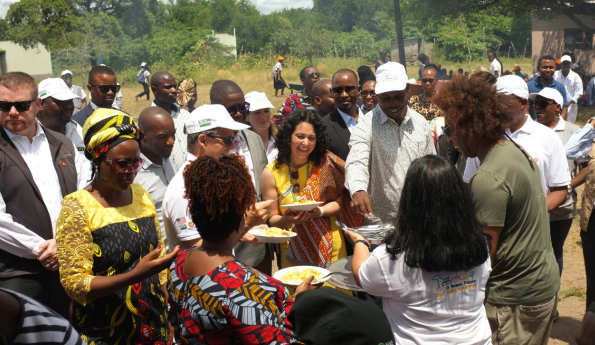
x,y
339,90
446,130
369,93
106,88
543,103
242,108
311,75
20,106
295,177
428,80
125,167
228,141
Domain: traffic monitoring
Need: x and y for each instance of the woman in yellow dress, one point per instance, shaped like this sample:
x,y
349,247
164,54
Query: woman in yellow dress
x,y
315,174
112,257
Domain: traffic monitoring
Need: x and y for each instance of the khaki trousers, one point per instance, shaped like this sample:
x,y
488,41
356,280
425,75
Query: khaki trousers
x,y
522,324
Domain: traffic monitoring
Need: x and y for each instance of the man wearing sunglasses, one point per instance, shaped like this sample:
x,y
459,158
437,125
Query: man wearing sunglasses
x,y
383,145
165,90
248,145
103,88
302,99
546,66
422,103
38,167
341,121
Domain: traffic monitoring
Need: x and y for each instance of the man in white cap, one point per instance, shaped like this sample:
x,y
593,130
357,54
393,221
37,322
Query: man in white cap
x,y
259,119
81,102
383,145
542,143
143,79
211,132
574,86
57,107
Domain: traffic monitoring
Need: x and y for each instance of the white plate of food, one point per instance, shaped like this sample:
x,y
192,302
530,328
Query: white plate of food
x,y
272,235
303,205
294,276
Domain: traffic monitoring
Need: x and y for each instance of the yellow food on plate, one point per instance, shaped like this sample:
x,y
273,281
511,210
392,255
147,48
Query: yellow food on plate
x,y
276,232
301,275
303,201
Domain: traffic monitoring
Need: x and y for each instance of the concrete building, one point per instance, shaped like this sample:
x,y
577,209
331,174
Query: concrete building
x,y
413,47
36,61
561,34
227,40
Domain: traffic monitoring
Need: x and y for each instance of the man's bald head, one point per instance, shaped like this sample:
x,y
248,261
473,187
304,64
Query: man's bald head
x,y
323,99
159,133
156,78
321,87
165,89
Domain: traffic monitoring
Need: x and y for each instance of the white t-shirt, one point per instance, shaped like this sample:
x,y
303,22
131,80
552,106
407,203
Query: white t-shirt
x,y
546,149
176,219
277,66
429,307
495,66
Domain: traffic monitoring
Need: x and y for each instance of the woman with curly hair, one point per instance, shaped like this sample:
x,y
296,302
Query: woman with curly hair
x,y
316,174
112,258
431,271
522,291
217,299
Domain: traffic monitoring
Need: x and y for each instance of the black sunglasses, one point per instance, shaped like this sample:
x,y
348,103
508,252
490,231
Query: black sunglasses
x,y
228,141
106,88
365,93
543,103
446,131
428,80
339,90
20,106
242,108
311,75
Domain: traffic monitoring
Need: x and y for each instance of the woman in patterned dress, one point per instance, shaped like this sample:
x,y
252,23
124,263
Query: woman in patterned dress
x,y
316,174
112,257
216,299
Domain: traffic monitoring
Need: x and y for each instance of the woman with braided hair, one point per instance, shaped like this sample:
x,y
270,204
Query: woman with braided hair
x,y
217,299
112,258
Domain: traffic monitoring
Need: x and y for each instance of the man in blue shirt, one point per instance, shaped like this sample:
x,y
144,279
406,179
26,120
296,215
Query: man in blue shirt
x,y
546,66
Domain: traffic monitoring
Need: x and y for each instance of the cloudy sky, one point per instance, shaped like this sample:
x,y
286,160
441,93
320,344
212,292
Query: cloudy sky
x,y
265,6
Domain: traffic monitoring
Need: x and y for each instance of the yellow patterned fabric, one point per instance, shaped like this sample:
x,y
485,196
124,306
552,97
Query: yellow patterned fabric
x,y
96,241
106,128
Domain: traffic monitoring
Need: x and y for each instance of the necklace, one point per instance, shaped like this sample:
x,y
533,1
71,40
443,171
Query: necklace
x,y
291,181
208,251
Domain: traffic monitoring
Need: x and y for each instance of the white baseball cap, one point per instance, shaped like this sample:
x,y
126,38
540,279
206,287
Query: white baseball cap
x,y
258,100
65,72
549,93
143,64
211,116
512,85
55,88
565,58
391,76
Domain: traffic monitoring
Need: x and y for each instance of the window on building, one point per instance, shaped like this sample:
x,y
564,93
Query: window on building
x,y
577,39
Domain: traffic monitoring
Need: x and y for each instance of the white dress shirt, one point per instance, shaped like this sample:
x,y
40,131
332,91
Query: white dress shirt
x,y
574,89
74,132
350,122
546,149
243,150
178,155
176,219
14,237
496,66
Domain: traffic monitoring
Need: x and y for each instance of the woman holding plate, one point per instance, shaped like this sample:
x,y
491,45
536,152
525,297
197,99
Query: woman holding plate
x,y
314,174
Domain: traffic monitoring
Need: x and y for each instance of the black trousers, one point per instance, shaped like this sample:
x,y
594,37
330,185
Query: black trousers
x,y
145,92
588,239
558,232
44,287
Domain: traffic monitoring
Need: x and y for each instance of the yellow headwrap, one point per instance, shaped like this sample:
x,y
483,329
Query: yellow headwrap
x,y
106,128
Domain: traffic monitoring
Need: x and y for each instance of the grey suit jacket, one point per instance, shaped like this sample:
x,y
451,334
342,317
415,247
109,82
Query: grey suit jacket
x,y
248,253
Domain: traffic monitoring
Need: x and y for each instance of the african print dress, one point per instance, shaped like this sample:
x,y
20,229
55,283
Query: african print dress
x,y
232,304
96,241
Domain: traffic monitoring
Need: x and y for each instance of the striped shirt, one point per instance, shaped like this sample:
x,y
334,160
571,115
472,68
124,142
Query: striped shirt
x,y
41,325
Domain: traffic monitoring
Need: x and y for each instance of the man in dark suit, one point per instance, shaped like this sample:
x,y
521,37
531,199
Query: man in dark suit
x,y
341,121
103,87
250,146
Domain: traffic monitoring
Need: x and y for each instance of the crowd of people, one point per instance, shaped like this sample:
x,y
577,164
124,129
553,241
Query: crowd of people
x,y
137,231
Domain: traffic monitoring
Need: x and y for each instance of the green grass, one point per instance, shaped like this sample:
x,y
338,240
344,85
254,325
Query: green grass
x,y
574,291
